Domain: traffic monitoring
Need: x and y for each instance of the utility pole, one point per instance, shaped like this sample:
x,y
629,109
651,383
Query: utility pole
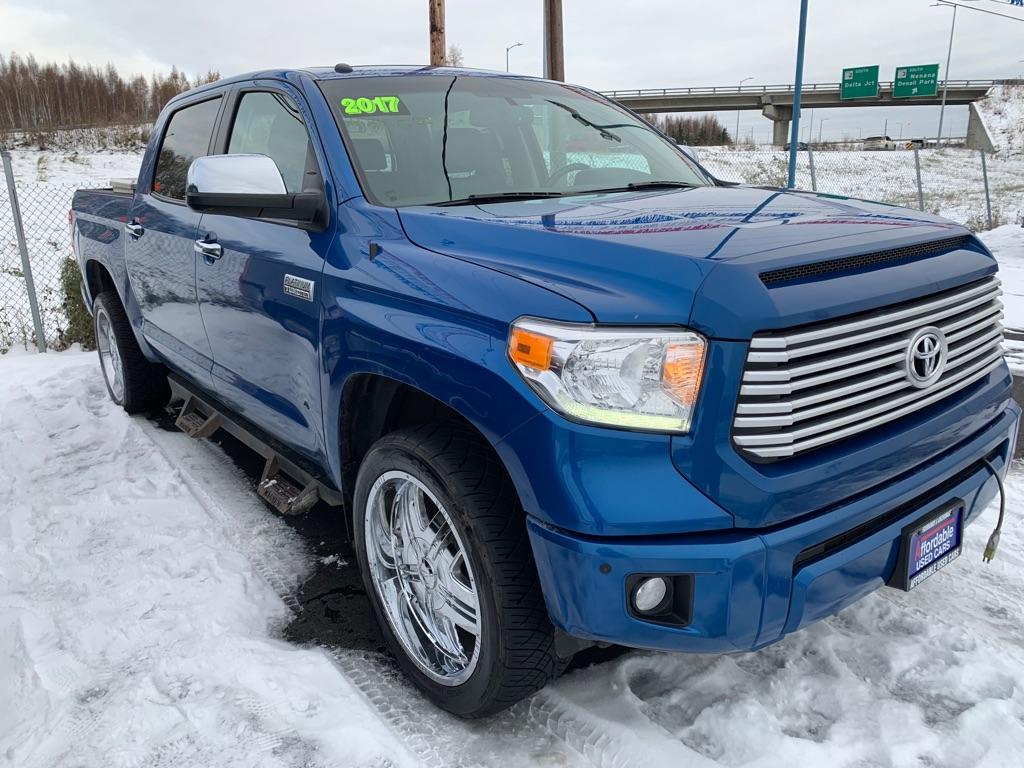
x,y
437,48
554,48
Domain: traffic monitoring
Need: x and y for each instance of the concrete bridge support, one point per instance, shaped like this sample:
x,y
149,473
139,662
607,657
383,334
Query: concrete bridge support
x,y
780,117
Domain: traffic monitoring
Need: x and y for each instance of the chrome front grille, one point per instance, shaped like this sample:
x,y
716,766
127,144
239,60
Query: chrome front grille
x,y
811,386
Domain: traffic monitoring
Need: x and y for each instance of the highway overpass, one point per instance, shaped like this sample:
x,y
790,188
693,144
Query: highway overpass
x,y
776,101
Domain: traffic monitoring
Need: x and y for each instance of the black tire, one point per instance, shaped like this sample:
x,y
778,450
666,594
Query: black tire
x,y
517,653
144,384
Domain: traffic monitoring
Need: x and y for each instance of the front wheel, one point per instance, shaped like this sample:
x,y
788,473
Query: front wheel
x,y
133,382
446,559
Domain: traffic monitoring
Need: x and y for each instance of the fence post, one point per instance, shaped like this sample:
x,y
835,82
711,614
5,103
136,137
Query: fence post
x,y
920,188
814,175
988,195
26,268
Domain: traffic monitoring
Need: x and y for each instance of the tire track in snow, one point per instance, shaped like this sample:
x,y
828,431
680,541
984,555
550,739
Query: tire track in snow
x,y
75,724
75,721
433,736
201,466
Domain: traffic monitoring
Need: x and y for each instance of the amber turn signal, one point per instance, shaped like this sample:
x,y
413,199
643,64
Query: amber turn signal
x,y
530,349
682,371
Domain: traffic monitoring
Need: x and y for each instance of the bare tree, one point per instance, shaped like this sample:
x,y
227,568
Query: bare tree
x,y
454,56
43,97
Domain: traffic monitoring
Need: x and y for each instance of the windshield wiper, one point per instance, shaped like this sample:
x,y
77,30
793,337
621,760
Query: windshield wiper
x,y
642,185
601,129
498,197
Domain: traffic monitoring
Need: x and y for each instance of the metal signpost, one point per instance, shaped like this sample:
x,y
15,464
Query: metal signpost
x,y
798,84
859,83
910,82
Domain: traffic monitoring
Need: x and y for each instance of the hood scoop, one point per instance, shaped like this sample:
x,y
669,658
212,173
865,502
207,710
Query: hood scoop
x,y
803,272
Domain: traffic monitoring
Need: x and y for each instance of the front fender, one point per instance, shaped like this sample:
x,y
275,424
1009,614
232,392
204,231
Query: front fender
x,y
433,322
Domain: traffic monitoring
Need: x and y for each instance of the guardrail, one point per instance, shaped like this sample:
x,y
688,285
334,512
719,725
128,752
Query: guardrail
x,y
725,90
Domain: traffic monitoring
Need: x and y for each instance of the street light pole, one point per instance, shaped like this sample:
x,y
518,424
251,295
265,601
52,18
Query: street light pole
x,y
820,124
507,49
949,52
736,136
945,84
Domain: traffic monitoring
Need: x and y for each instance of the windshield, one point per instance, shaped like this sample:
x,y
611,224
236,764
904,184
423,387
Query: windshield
x,y
427,139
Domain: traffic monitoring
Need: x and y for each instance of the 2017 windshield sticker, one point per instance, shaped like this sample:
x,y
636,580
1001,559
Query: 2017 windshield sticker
x,y
371,105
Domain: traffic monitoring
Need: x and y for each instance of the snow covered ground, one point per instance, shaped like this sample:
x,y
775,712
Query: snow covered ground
x,y
952,178
144,588
1007,243
75,168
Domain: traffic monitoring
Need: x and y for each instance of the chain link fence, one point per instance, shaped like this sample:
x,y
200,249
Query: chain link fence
x,y
33,247
956,183
960,184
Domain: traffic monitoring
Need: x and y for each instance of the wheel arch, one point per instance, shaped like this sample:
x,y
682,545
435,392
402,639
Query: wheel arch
x,y
98,277
374,405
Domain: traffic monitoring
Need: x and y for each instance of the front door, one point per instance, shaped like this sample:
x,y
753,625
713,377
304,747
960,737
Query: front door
x,y
161,234
260,297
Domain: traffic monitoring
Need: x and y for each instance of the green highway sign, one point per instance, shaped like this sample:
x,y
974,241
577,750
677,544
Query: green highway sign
x,y
910,82
859,83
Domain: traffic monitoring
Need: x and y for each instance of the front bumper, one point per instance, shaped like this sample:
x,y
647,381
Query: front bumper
x,y
753,587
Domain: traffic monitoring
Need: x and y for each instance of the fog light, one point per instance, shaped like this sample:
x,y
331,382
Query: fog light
x,y
650,594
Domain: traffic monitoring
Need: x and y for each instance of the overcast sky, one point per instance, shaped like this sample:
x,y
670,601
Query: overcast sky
x,y
638,44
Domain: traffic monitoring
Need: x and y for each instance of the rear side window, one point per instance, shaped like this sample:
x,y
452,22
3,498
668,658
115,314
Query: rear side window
x,y
269,123
187,137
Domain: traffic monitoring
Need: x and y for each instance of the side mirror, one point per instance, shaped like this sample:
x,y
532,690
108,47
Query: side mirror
x,y
246,185
690,152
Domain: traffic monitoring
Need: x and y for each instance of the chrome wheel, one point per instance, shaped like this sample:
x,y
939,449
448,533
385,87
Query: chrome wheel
x,y
423,578
110,355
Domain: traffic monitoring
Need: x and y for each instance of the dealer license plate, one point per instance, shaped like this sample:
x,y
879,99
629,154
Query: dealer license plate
x,y
933,544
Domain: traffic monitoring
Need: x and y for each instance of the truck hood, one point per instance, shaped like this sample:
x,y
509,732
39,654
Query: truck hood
x,y
643,257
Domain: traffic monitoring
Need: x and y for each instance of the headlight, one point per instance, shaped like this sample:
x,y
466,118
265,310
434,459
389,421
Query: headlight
x,y
632,378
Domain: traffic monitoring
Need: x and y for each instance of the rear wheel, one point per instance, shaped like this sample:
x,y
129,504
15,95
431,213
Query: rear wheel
x,y
133,382
447,563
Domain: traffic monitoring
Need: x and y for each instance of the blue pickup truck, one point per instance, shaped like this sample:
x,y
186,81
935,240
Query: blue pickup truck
x,y
566,387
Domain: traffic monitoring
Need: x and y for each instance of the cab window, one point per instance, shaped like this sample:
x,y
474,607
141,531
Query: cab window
x,y
269,123
186,138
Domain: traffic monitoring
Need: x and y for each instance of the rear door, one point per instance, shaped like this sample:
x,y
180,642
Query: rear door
x,y
161,234
260,298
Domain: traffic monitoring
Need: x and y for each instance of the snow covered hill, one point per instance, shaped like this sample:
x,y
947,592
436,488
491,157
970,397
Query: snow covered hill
x,y
144,587
1003,114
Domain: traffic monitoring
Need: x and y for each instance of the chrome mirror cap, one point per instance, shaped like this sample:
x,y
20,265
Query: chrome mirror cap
x,y
235,175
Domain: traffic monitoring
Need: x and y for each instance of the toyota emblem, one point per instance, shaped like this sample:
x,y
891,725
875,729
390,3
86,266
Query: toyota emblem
x,y
926,356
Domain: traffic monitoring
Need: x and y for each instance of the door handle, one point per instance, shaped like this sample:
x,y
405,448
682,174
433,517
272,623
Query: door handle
x,y
134,229
209,250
